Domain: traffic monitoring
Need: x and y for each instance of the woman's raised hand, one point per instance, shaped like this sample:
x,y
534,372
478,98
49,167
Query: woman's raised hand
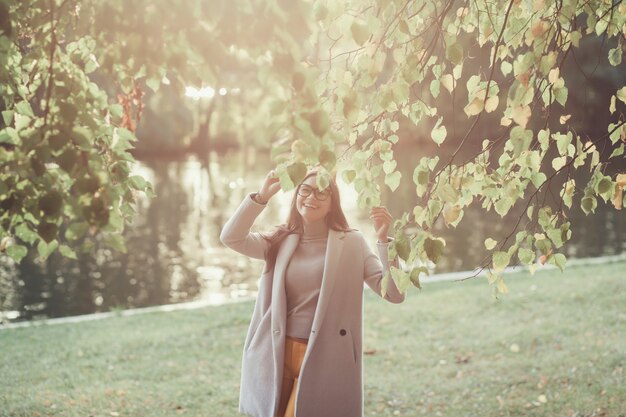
x,y
271,186
382,221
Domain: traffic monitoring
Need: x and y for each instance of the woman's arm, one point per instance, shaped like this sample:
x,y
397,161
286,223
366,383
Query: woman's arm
x,y
236,232
375,268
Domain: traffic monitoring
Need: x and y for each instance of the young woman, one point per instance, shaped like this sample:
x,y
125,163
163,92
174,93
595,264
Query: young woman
x,y
302,356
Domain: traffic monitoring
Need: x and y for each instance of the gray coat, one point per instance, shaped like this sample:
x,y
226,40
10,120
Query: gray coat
x,y
330,383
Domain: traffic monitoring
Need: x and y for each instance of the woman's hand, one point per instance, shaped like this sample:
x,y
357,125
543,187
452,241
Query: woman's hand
x,y
382,220
271,186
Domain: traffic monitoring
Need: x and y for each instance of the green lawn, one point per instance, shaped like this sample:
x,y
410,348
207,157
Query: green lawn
x,y
554,346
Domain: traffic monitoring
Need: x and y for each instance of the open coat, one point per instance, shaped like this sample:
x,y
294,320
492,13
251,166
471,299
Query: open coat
x,y
330,382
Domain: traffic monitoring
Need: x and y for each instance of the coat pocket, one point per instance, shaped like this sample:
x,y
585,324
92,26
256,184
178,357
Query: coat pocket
x,y
261,329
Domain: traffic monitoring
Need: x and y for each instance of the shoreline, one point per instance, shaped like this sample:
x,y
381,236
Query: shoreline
x,y
191,305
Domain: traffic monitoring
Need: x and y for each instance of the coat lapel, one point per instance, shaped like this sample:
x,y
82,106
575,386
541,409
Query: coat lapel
x,y
334,247
279,311
279,296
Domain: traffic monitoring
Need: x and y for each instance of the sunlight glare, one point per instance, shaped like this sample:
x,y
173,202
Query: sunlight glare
x,y
197,94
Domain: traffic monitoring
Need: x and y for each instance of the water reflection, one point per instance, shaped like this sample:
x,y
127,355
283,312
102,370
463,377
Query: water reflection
x,y
174,253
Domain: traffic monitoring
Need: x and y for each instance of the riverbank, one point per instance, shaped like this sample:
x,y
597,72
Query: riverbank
x,y
192,305
554,345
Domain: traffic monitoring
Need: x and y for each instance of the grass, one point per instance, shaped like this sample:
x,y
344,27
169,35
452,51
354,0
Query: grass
x,y
554,346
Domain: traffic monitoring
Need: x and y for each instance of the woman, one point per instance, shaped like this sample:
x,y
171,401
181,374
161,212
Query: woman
x,y
302,355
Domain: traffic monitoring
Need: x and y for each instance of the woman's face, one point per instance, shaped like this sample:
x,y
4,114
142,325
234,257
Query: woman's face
x,y
310,207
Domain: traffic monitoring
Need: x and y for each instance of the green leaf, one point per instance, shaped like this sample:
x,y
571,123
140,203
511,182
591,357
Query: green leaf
x,y
415,275
526,256
23,107
137,182
447,81
604,185
475,106
393,180
403,246
500,260
401,278
297,172
328,159
384,283
153,83
319,122
434,248
400,90
67,252
501,286
621,94
490,243
116,110
560,94
5,137
17,252
81,137
601,26
454,52
538,178
452,214
588,204
506,68
491,277
559,260
615,55
555,237
521,139
76,230
25,233
503,205
439,132
45,249
348,175
619,151
434,88
115,241
360,32
559,162
322,180
7,116
491,104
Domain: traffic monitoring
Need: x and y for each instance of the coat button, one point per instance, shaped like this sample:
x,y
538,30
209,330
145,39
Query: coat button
x,y
342,332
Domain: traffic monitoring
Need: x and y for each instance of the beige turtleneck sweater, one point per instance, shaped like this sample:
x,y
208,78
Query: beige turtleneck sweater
x,y
303,278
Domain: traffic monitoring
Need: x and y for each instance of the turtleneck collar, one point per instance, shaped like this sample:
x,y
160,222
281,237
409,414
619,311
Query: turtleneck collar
x,y
315,230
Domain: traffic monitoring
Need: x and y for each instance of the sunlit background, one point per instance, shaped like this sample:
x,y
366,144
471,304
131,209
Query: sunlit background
x,y
199,149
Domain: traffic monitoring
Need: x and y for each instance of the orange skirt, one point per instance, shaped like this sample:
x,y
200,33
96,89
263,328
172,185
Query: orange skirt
x,y
295,349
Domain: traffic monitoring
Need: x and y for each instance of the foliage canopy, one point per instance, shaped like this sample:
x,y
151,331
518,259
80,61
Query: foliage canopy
x,y
342,82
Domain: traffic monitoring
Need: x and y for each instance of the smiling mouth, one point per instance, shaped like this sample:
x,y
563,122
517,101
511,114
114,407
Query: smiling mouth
x,y
308,206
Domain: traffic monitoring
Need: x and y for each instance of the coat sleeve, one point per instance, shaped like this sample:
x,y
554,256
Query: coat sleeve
x,y
236,232
375,268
